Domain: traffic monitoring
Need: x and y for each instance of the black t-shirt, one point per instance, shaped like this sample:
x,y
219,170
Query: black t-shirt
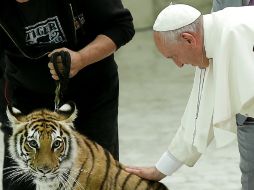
x,y
43,32
27,66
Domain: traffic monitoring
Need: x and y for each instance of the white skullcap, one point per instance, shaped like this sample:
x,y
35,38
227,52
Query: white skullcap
x,y
174,17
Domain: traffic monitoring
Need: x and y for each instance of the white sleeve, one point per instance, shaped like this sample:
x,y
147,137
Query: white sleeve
x,y
168,164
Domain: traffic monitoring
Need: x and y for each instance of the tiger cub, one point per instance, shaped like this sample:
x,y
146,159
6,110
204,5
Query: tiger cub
x,y
49,150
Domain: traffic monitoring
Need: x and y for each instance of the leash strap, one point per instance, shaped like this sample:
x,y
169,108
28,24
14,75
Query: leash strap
x,y
61,62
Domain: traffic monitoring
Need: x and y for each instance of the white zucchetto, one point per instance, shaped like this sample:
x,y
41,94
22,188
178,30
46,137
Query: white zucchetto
x,y
174,17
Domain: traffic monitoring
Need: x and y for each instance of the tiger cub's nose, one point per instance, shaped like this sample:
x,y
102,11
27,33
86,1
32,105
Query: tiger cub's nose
x,y
44,169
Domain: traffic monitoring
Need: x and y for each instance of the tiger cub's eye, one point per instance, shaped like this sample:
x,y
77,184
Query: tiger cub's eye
x,y
33,143
56,144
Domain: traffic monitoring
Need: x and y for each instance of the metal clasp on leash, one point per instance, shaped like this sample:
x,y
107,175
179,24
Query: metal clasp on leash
x,y
61,61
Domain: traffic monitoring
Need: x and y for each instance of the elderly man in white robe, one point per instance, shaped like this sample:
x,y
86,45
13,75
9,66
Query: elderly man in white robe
x,y
221,47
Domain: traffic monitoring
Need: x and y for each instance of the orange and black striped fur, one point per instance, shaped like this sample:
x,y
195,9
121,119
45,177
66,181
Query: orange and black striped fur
x,y
49,150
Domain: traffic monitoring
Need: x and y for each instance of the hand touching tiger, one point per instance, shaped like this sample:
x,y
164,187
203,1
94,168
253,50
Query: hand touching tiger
x,y
150,173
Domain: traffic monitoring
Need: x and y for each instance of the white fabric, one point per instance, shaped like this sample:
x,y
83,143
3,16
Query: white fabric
x,y
175,16
228,85
168,164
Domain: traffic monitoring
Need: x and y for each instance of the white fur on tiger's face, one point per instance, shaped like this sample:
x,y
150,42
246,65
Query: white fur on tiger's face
x,y
49,150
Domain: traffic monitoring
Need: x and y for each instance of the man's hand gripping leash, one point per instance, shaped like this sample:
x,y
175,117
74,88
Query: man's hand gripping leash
x,y
61,61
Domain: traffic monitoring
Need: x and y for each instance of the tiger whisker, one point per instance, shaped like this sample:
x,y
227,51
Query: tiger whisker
x,y
73,179
14,175
23,177
76,171
13,171
63,181
8,156
69,180
15,167
11,168
11,160
18,173
18,176
65,176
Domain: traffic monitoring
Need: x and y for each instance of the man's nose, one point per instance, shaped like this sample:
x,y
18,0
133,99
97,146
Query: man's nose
x,y
178,64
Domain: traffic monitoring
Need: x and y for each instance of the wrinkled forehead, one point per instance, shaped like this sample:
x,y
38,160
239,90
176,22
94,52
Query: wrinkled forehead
x,y
158,40
165,47
157,37
162,41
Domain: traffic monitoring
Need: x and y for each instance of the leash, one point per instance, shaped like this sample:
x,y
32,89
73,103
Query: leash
x,y
61,62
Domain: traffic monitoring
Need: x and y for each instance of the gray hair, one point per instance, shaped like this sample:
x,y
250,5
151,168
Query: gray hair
x,y
173,35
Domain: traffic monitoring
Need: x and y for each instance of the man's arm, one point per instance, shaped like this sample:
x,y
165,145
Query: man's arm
x,y
112,27
97,50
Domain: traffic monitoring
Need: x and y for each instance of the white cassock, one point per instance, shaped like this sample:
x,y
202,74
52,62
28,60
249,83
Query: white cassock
x,y
221,91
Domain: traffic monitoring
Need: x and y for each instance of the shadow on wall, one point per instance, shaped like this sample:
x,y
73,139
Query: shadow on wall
x,y
145,11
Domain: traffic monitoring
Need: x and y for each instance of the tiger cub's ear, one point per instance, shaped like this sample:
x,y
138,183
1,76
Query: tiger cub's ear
x,y
14,115
69,111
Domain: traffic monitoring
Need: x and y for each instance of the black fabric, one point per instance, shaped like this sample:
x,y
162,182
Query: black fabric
x,y
242,120
42,10
249,121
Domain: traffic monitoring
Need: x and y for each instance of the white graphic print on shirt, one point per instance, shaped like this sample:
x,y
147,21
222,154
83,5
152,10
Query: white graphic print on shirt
x,y
45,32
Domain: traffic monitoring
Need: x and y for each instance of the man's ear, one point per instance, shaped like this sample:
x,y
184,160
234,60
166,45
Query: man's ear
x,y
188,38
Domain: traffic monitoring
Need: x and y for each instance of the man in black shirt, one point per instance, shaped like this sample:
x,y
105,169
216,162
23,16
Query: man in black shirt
x,y
91,31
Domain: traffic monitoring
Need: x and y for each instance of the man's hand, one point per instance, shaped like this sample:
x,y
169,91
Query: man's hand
x,y
150,173
75,67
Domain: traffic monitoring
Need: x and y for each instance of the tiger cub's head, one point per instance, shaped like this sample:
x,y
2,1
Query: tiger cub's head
x,y
42,142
